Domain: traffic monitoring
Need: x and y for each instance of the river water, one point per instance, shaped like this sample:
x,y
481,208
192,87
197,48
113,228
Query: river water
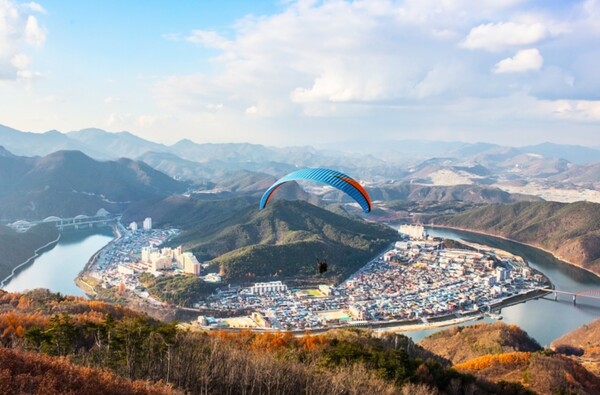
x,y
57,268
544,319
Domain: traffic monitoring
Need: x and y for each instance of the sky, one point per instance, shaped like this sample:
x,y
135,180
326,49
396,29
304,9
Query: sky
x,y
513,72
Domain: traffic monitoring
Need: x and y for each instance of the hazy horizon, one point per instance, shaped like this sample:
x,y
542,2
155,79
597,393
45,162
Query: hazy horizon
x,y
294,73
340,145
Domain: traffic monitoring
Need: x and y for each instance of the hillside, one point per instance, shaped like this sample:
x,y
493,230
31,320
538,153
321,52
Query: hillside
x,y
285,239
69,183
429,193
583,344
542,372
16,248
585,337
30,373
71,339
460,344
569,230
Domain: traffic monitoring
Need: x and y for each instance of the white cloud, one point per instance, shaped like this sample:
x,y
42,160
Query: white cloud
x,y
578,110
209,38
34,34
33,6
20,61
524,60
28,75
396,64
498,36
112,99
18,31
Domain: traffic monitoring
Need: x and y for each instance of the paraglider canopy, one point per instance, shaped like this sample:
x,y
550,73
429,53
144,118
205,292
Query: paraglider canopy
x,y
333,178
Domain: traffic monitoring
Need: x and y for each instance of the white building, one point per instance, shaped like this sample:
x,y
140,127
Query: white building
x,y
147,223
165,258
133,226
190,263
415,231
272,286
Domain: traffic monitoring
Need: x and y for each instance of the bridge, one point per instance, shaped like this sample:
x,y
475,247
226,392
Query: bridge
x,y
593,294
102,218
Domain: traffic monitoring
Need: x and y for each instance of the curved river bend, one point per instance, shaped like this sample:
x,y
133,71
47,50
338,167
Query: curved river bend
x,y
544,319
57,268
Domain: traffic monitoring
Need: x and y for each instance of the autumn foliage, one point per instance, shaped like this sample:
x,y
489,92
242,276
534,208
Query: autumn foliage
x,y
28,373
486,361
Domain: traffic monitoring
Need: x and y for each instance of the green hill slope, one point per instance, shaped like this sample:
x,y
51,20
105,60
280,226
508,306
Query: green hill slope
x,y
570,231
285,239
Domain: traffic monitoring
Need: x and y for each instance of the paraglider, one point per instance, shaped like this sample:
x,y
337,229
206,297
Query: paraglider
x,y
321,266
334,178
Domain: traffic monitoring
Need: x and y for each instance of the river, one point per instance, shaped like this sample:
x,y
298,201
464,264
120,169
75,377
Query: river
x,y
57,268
544,319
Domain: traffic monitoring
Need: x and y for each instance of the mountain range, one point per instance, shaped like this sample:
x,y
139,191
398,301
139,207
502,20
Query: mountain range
x,y
69,183
208,165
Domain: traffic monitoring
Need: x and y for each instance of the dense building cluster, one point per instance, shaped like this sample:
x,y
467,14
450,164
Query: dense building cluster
x,y
416,279
135,252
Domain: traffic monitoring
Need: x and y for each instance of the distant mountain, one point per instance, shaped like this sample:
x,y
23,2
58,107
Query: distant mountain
x,y
68,183
217,173
569,230
533,165
573,153
115,145
460,344
39,144
455,193
400,150
587,176
209,165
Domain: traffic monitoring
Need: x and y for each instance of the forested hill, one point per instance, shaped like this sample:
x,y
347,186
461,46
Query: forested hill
x,y
569,230
63,344
285,239
459,344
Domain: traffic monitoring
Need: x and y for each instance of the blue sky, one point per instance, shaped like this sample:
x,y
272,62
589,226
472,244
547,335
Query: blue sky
x,y
513,72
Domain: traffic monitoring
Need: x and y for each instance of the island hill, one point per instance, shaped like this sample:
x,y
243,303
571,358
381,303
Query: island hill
x,y
282,241
570,231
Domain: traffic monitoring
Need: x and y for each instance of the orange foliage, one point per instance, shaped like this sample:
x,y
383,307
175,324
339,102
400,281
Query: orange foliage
x,y
272,341
486,361
29,373
312,342
17,323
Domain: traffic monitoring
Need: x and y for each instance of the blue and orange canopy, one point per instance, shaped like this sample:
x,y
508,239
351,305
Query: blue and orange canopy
x,y
334,178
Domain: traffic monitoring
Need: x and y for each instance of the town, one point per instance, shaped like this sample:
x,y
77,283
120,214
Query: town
x,y
416,280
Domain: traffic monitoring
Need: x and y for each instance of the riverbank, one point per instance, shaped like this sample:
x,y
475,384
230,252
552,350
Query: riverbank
x,y
554,255
37,252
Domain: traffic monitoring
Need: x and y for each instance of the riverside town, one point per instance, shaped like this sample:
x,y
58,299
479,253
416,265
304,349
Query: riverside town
x,y
417,281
